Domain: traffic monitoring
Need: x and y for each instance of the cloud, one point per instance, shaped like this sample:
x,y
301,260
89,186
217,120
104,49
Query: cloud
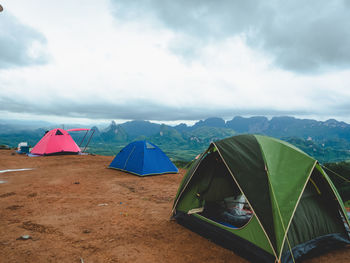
x,y
20,45
134,109
300,36
174,60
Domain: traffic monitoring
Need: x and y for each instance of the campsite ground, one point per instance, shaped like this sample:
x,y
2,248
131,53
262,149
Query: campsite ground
x,y
74,208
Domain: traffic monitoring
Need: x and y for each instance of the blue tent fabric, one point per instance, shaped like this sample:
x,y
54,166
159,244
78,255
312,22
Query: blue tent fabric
x,y
143,158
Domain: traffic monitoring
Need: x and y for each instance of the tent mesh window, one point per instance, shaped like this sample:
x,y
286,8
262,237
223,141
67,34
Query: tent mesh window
x,y
149,146
58,132
221,198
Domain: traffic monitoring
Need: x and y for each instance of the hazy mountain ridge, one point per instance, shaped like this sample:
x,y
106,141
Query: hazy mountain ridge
x,y
325,140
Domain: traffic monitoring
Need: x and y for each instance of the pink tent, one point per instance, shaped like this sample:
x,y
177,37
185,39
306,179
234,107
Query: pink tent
x,y
56,141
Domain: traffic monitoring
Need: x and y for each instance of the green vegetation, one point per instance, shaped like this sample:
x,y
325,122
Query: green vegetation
x,y
340,175
181,164
331,150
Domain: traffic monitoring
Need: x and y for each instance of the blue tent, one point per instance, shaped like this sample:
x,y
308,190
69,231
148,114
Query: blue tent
x,y
143,158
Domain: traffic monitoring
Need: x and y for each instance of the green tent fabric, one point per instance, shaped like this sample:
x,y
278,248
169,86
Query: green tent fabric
x,y
284,188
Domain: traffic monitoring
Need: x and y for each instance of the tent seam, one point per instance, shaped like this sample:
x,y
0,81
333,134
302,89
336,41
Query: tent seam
x,y
127,160
144,155
295,208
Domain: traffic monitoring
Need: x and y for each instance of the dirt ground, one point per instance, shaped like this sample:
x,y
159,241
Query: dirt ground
x,y
77,210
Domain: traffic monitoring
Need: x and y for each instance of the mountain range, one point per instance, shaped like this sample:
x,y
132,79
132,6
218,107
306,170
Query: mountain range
x,y
327,141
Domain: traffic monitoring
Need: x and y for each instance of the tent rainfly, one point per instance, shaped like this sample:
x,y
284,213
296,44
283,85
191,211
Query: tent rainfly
x,y
263,198
57,141
143,158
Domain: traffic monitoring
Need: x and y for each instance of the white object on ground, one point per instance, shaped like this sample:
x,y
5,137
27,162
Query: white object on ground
x,y
21,144
15,170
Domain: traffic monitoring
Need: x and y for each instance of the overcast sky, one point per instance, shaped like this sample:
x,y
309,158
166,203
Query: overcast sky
x,y
165,60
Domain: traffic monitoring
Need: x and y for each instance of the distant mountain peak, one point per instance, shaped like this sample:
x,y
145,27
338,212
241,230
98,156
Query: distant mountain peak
x,y
211,122
111,127
113,124
96,130
140,128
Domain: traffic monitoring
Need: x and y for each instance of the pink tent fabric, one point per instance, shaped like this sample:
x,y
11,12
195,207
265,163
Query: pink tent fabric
x,y
56,141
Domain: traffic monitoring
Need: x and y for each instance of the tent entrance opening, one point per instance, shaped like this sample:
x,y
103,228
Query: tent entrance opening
x,y
221,199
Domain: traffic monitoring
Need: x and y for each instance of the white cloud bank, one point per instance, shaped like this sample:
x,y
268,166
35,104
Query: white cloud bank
x,y
177,60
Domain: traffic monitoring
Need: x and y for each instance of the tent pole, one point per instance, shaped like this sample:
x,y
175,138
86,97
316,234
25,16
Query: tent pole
x,y
83,138
93,131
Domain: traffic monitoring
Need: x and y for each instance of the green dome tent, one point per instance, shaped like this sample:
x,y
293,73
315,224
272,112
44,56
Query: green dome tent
x,y
264,199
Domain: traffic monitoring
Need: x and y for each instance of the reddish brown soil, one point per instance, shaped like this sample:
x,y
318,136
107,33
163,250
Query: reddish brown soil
x,y
77,210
